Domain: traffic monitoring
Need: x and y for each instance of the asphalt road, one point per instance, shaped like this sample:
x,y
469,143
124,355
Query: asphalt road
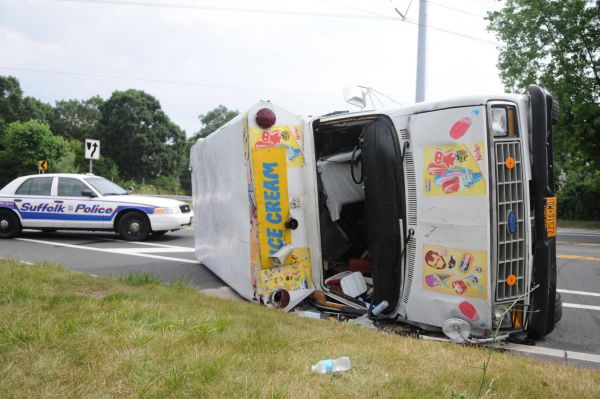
x,y
172,258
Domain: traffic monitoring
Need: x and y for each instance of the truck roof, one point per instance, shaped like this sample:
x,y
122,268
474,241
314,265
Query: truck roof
x,y
409,109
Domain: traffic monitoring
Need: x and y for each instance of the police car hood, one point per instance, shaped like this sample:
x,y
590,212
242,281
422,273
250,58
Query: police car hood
x,y
145,200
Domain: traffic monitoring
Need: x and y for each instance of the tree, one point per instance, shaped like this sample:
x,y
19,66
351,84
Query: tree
x,y
139,137
557,44
213,120
26,143
76,119
11,97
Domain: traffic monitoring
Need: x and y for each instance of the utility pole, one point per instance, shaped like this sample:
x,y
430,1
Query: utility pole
x,y
421,52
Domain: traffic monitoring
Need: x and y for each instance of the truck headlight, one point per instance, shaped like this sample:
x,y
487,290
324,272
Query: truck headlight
x,y
166,211
501,316
508,316
503,121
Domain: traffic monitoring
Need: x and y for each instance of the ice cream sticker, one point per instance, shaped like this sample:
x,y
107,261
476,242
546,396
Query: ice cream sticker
x,y
286,137
454,271
460,127
454,169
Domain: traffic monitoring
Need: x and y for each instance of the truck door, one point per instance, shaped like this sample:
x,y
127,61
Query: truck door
x,y
384,197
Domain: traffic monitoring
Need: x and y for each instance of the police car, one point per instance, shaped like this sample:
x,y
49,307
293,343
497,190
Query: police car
x,y
64,201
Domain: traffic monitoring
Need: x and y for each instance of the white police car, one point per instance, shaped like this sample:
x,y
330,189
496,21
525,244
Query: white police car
x,y
64,201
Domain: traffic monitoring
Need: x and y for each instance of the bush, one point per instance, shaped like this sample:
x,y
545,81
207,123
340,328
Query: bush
x,y
578,196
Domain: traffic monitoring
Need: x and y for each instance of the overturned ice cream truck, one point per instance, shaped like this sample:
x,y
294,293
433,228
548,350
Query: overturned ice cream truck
x,y
446,209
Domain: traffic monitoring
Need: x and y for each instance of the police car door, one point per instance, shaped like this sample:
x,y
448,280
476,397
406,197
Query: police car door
x,y
81,211
35,203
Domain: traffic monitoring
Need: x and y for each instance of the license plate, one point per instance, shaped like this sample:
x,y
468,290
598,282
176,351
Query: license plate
x,y
550,204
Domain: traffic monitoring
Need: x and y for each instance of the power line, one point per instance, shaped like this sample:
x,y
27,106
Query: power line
x,y
222,9
456,9
370,14
169,82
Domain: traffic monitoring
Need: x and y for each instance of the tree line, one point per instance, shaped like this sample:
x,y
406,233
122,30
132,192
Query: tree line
x,y
139,142
557,44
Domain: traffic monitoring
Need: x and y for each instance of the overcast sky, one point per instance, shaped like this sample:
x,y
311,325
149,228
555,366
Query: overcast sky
x,y
195,54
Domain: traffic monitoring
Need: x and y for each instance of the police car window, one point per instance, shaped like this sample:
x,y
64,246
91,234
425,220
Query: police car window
x,y
69,187
105,187
36,186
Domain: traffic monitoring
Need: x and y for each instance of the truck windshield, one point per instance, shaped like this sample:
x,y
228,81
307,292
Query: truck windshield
x,y
105,187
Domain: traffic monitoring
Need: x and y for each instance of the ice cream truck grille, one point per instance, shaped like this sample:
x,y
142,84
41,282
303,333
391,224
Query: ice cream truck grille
x,y
510,272
411,213
411,181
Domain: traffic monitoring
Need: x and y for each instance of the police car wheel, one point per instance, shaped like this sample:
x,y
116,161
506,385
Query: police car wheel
x,y
134,226
10,226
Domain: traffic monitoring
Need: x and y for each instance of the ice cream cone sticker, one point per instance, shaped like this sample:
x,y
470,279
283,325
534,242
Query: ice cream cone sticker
x,y
462,126
453,169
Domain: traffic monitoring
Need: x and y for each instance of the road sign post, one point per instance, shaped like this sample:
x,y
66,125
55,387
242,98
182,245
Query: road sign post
x,y
92,151
42,166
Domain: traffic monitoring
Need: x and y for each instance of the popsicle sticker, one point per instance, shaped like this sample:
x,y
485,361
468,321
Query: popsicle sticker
x,y
462,126
469,310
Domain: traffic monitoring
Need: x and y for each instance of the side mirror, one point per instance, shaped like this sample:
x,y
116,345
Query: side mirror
x,y
88,193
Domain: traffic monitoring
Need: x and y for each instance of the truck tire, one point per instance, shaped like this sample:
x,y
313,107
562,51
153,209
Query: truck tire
x,y
555,113
557,308
134,226
10,225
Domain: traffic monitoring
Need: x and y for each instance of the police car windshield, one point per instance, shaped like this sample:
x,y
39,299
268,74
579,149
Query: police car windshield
x,y
105,187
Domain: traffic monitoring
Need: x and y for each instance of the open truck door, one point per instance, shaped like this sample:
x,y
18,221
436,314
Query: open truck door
x,y
384,204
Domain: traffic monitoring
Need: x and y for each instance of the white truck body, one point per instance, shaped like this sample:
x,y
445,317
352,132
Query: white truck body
x,y
457,244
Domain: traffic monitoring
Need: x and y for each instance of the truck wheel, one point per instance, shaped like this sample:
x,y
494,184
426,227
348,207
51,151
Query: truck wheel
x,y
555,113
10,226
134,226
557,308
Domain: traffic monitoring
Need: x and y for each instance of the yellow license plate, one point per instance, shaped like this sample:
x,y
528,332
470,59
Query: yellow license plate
x,y
550,205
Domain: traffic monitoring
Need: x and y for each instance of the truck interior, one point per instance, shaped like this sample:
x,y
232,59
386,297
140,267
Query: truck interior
x,y
361,205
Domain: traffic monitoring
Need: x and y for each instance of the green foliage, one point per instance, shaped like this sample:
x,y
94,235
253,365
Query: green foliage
x,y
139,136
24,144
214,119
557,44
579,198
76,119
11,97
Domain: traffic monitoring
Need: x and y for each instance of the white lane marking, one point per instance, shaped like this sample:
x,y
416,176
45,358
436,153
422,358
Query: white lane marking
x,y
578,306
578,292
151,244
540,350
108,250
154,250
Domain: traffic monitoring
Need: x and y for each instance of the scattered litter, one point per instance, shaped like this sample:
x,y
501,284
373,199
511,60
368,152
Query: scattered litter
x,y
296,297
383,305
363,321
332,365
310,314
337,278
353,284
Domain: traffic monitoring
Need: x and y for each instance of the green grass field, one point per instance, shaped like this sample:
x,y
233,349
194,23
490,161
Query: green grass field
x,y
71,335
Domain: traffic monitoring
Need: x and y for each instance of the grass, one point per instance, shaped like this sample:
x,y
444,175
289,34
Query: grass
x,y
579,224
70,335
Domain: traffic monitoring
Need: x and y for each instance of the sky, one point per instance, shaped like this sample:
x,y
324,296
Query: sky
x,y
193,55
